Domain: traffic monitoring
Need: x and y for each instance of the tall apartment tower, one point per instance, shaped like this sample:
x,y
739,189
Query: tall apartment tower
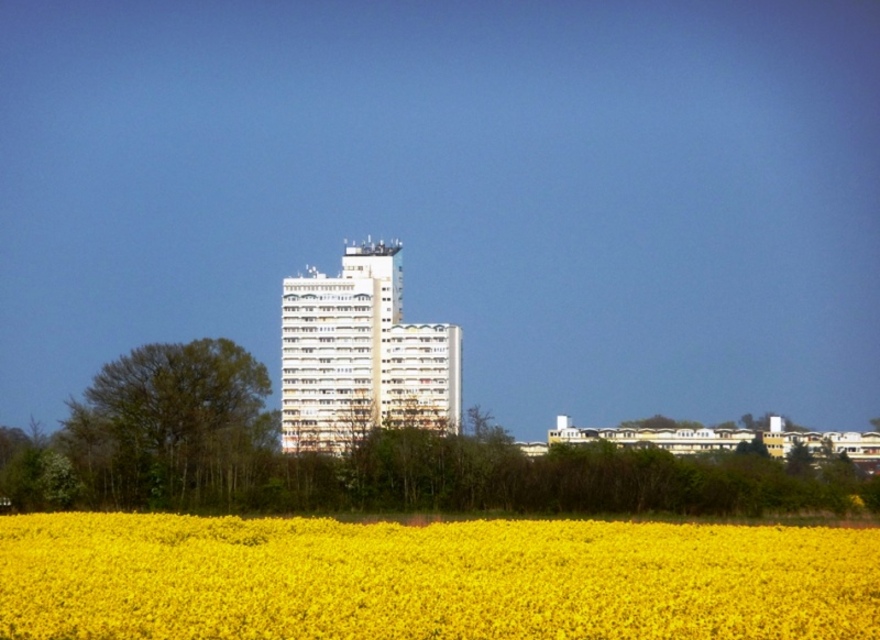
x,y
349,362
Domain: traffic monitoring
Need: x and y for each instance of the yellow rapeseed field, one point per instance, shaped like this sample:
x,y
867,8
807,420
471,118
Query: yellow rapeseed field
x,y
163,576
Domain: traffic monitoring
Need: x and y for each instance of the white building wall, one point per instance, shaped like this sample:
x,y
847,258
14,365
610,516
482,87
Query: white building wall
x,y
676,441
327,327
776,424
423,369
336,336
859,447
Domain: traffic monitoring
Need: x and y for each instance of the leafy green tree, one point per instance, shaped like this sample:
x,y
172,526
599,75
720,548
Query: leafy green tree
x,y
840,482
58,481
486,462
791,425
12,440
655,422
875,422
870,493
172,424
19,480
88,440
756,446
654,479
762,423
799,460
37,476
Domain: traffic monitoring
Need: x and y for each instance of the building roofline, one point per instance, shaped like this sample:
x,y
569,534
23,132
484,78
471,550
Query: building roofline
x,y
369,249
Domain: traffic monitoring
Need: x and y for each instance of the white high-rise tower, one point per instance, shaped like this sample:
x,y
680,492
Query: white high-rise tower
x,y
349,362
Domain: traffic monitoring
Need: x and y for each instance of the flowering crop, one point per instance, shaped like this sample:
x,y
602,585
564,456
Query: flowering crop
x,y
162,576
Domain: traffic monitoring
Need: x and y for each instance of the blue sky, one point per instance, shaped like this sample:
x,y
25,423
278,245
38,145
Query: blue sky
x,y
631,208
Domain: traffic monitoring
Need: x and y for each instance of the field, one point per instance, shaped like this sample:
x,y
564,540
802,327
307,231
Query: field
x,y
164,576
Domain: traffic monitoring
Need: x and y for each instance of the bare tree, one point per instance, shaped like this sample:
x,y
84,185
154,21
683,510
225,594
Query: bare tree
x,y
39,439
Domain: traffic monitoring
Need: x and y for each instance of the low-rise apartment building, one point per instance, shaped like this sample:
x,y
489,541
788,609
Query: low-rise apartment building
x,y
859,447
677,441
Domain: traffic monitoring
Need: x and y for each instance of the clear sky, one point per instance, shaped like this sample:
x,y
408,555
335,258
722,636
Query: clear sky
x,y
631,208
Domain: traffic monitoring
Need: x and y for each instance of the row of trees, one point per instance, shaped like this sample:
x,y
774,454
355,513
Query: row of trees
x,y
184,428
408,469
169,426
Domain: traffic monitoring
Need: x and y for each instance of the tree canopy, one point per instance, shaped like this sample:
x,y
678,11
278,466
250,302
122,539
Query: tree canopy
x,y
167,420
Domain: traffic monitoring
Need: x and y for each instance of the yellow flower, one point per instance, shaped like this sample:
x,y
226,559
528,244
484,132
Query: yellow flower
x,y
162,576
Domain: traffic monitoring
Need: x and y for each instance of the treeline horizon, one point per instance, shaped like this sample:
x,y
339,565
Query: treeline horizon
x,y
183,428
409,470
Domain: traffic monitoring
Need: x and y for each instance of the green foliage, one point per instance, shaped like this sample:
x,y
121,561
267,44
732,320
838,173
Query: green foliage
x,y
658,422
181,427
38,479
755,447
870,494
410,469
172,426
58,481
799,460
20,478
12,440
762,423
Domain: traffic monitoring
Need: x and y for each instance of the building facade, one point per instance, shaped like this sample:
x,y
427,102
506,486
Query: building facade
x,y
349,362
421,383
859,447
677,441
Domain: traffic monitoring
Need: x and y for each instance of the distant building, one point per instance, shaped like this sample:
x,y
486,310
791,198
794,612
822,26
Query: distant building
x,y
677,441
533,449
859,447
349,362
